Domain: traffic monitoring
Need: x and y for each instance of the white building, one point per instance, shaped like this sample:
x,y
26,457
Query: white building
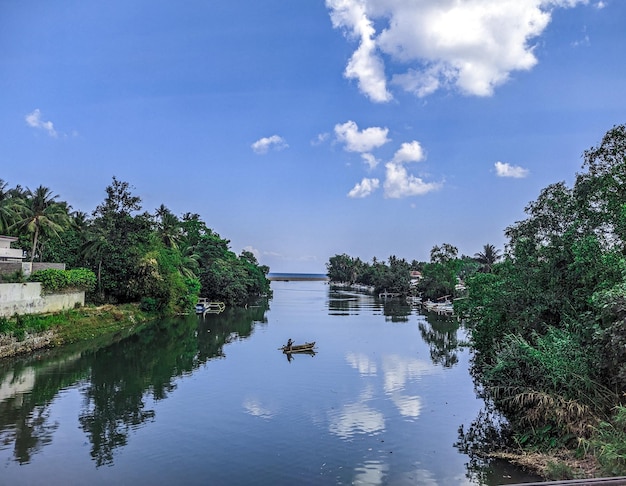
x,y
8,254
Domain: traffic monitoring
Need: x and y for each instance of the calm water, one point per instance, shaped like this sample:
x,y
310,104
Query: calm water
x,y
213,401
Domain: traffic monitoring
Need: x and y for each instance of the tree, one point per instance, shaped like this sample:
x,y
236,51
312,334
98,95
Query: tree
x,y
487,257
168,227
120,239
7,207
444,253
342,268
42,216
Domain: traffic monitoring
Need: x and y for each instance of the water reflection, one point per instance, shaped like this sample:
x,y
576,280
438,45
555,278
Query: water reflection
x,y
26,388
357,418
362,363
256,408
119,381
370,472
441,336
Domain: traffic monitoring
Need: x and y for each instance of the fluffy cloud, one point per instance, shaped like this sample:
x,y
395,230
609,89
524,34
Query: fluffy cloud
x,y
472,45
409,152
504,169
34,120
399,183
263,145
365,65
370,160
364,188
362,141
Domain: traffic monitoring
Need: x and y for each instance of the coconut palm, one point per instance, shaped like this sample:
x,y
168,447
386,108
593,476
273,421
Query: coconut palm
x,y
168,227
487,257
94,250
10,206
41,215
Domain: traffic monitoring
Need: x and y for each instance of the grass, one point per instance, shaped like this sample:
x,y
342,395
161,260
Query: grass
x,y
76,325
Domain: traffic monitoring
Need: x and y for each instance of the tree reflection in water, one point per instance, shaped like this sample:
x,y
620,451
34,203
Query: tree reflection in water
x,y
119,379
28,386
441,335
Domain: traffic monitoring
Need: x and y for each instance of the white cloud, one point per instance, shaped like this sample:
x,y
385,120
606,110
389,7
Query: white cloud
x,y
409,152
34,120
364,188
365,65
399,183
472,45
360,141
600,5
504,169
370,160
320,139
263,145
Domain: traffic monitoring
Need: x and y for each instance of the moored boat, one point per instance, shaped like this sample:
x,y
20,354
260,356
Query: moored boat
x,y
205,306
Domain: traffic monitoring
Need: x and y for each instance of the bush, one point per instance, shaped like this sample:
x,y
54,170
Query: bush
x,y
149,304
53,280
610,444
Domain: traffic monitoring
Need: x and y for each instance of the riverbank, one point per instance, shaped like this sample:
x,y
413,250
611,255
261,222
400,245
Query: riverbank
x,y
561,465
85,323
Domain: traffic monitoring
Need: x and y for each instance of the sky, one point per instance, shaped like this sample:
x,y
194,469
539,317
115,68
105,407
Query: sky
x,y
299,130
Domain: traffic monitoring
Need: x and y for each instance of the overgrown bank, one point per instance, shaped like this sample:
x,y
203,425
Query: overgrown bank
x,y
25,334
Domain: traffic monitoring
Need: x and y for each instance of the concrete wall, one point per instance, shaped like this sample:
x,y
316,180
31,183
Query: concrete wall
x,y
7,268
26,298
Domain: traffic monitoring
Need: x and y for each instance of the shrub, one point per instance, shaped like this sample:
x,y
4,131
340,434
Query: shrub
x,y
610,444
53,280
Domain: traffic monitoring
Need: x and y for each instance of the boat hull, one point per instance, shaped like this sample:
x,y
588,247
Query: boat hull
x,y
299,348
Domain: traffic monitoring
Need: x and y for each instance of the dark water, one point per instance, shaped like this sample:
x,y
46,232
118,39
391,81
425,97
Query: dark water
x,y
212,401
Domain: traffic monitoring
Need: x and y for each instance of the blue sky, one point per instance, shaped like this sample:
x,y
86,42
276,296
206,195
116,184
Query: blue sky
x,y
303,129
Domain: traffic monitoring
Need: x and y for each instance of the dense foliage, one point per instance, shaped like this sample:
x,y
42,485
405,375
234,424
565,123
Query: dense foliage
x,y
440,278
53,280
550,320
159,259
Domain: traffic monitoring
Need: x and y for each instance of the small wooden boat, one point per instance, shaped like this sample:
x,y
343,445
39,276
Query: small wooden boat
x,y
298,348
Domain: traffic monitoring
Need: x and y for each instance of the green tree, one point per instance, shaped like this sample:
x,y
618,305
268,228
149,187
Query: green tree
x,y
42,216
487,257
11,205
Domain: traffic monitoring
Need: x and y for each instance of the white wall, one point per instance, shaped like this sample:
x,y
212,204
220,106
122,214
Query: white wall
x,y
26,298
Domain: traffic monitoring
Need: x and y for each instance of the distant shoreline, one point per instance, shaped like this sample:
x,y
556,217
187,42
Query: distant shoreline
x,y
286,277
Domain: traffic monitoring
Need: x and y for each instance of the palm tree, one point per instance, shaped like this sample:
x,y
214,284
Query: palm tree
x,y
11,204
42,215
94,250
487,257
168,227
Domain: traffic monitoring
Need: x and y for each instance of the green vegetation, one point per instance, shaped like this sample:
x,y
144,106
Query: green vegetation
x,y
53,280
438,278
548,321
76,324
122,255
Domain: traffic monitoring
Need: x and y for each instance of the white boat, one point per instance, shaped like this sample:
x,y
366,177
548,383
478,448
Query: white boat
x,y
205,306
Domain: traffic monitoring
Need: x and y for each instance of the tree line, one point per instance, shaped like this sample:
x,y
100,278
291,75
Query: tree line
x,y
162,260
547,319
442,276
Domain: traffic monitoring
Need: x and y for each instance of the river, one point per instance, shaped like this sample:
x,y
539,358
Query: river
x,y
213,401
